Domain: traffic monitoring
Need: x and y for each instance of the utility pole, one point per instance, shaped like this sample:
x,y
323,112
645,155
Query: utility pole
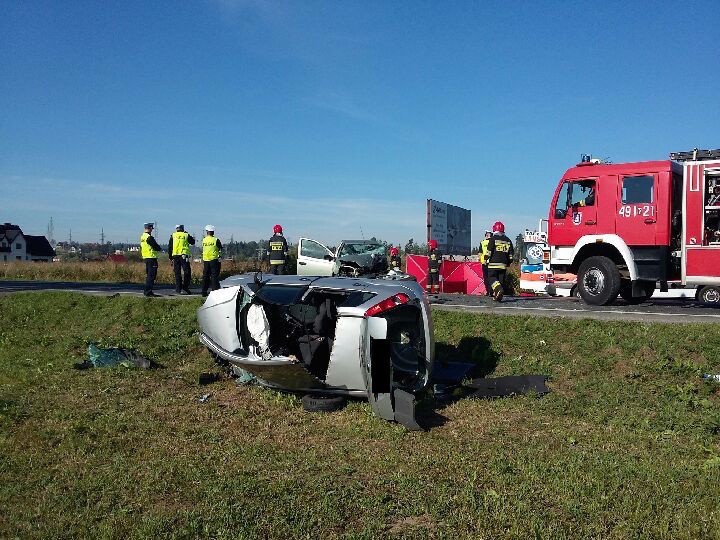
x,y
70,242
102,236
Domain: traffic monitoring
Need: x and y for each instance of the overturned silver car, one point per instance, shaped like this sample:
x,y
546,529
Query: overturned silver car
x,y
358,337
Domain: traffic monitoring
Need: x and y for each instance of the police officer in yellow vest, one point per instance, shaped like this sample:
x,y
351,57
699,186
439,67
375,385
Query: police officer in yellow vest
x,y
179,252
484,258
149,249
211,248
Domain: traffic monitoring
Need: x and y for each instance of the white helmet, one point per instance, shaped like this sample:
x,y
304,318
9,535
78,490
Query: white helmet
x,y
209,228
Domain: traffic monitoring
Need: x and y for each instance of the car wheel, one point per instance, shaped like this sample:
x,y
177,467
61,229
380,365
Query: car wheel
x,y
319,403
626,292
598,281
709,295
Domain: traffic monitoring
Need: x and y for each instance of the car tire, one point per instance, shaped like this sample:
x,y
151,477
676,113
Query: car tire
x,y
598,281
319,403
626,292
709,295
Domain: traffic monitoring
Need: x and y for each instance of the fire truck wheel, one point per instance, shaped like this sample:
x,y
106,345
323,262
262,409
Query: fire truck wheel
x,y
626,292
709,295
598,281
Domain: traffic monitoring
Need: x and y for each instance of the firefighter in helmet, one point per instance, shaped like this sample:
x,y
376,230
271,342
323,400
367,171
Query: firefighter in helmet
x,y
277,251
484,261
395,260
211,249
179,252
500,255
434,264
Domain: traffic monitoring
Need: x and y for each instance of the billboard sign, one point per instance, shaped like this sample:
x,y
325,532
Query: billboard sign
x,y
450,226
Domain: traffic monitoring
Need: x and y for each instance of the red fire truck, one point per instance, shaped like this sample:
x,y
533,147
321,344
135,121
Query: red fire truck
x,y
624,228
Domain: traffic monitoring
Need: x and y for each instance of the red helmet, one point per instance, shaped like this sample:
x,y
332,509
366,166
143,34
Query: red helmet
x,y
277,229
498,226
393,251
432,244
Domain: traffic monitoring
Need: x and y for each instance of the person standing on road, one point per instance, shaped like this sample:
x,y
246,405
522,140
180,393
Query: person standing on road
x,y
484,261
149,249
395,260
500,255
434,264
277,251
211,248
179,252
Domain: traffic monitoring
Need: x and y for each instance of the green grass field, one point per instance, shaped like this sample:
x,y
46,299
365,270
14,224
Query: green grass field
x,y
626,446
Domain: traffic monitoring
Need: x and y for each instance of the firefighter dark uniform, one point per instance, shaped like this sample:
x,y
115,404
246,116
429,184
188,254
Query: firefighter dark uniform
x,y
211,248
434,264
500,255
395,260
149,249
277,251
484,262
179,252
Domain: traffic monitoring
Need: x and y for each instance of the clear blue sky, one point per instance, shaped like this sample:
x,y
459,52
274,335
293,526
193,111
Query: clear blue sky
x,y
333,118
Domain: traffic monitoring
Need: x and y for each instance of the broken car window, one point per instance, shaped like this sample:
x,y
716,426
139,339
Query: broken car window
x,y
280,294
362,249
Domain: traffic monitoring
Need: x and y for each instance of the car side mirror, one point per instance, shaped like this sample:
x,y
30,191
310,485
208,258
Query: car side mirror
x,y
560,213
329,258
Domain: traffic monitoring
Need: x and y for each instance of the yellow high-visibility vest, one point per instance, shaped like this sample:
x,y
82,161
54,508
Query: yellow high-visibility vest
x,y
145,250
210,249
484,251
181,246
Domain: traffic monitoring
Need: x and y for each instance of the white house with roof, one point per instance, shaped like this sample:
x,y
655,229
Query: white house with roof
x,y
17,246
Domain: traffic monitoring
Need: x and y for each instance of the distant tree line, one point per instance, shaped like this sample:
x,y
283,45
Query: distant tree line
x,y
238,251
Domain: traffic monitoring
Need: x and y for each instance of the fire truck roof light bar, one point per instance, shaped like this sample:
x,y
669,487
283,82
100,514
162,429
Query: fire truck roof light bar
x,y
695,155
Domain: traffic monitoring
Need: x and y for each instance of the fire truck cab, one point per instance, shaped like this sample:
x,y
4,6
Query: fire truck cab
x,y
622,228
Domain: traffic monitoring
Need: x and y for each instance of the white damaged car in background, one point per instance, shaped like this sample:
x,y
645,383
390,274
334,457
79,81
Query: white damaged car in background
x,y
326,336
352,258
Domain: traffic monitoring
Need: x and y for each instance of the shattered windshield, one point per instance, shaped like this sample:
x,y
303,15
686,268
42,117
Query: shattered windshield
x,y
280,294
362,249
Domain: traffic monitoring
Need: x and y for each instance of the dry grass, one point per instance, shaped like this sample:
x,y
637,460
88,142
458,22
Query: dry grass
x,y
107,271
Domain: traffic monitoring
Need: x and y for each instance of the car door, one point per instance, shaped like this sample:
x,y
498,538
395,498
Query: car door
x,y
314,259
386,401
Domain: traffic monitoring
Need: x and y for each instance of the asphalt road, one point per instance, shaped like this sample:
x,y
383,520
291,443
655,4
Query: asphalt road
x,y
100,289
660,310
655,310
